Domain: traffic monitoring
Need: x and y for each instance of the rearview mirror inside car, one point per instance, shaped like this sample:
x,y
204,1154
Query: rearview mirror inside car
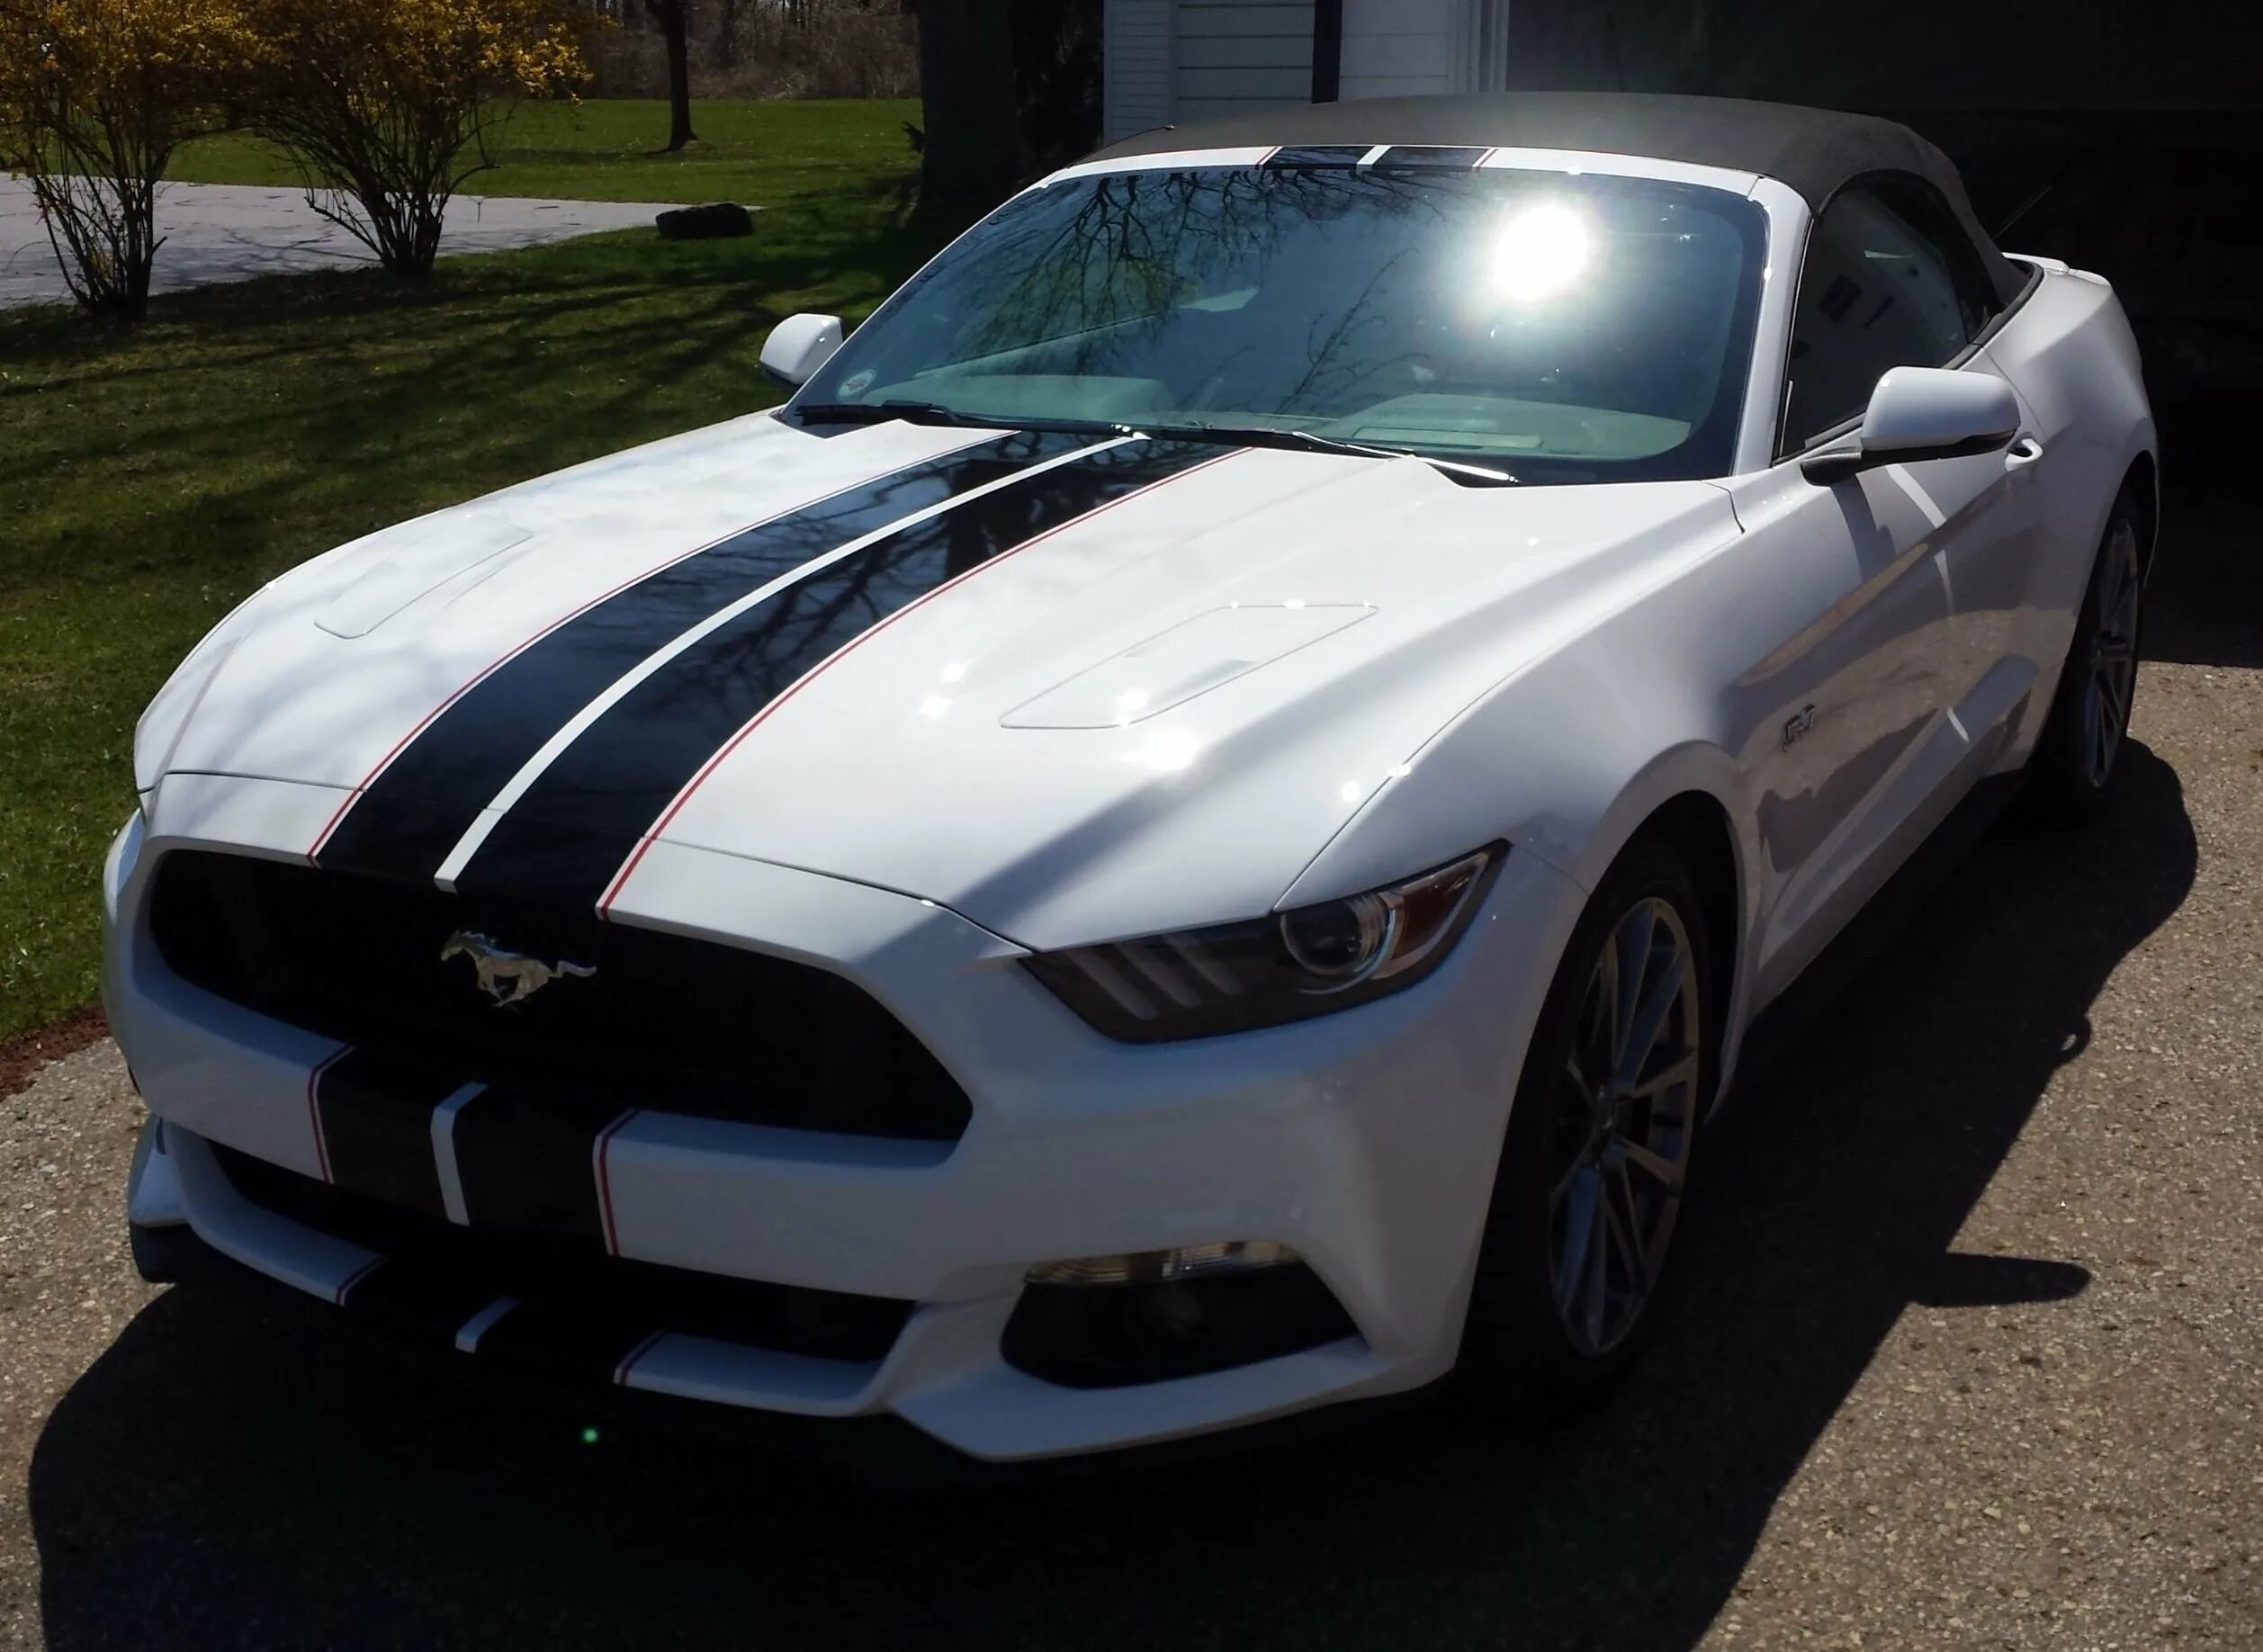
x,y
1919,413
799,345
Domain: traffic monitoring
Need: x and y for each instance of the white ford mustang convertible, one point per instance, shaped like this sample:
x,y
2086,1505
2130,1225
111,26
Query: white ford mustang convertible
x,y
1192,830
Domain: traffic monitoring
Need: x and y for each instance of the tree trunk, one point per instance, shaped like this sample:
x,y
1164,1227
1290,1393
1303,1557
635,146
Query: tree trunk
x,y
674,17
967,88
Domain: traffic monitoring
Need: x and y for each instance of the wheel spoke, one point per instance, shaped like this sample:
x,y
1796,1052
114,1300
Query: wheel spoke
x,y
1603,1022
1580,1233
2116,708
1611,1207
1650,1019
1623,1221
2123,603
1683,1071
1595,1295
1632,943
1653,1165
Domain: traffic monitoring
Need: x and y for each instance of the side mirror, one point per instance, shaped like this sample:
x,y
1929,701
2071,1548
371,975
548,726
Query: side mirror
x,y
799,345
1919,413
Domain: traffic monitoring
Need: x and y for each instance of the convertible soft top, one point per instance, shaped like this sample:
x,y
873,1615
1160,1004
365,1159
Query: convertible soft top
x,y
1813,152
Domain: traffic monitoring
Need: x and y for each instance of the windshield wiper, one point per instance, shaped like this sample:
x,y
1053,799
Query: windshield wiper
x,y
1226,436
936,413
881,413
1311,441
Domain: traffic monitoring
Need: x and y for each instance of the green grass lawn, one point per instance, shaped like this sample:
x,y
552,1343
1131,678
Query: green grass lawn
x,y
760,153
150,478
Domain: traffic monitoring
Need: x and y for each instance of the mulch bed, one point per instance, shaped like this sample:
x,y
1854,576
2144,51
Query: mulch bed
x,y
21,1057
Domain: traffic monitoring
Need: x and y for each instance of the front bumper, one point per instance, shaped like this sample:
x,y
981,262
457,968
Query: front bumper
x,y
1366,1142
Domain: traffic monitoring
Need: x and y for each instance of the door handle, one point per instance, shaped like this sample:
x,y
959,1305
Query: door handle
x,y
2023,452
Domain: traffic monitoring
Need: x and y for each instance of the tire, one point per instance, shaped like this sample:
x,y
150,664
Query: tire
x,y
1547,1334
2070,772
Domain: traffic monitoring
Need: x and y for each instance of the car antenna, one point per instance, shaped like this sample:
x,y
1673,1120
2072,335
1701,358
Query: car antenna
x,y
2025,207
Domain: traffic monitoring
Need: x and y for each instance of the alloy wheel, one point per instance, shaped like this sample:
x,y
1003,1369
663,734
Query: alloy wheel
x,y
1622,1139
2112,676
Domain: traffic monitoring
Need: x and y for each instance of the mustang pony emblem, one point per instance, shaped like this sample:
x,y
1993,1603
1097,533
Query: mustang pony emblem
x,y
507,977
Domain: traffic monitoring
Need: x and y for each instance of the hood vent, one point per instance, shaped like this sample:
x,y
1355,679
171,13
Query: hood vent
x,y
1192,658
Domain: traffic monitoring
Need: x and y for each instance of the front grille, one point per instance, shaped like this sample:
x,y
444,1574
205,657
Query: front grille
x,y
575,1303
667,1022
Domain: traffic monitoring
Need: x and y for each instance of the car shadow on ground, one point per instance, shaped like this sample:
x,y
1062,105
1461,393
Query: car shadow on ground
x,y
229,1474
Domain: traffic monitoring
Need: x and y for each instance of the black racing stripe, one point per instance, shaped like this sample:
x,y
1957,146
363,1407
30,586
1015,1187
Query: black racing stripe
x,y
1406,157
376,1117
527,1163
1319,155
415,1301
566,1338
576,825
412,814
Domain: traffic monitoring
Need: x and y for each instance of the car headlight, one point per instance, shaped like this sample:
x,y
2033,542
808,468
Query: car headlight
x,y
1284,966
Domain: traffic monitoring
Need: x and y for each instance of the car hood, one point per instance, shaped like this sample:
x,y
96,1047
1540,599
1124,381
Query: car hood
x,y
1088,691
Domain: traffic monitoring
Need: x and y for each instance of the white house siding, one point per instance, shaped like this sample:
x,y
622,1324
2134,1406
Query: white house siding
x,y
1178,60
1231,57
1398,47
1136,44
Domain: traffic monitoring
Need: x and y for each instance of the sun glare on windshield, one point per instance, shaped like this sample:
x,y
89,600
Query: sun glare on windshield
x,y
1539,253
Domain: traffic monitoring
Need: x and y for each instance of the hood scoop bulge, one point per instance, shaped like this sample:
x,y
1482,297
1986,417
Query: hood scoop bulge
x,y
1171,668
431,554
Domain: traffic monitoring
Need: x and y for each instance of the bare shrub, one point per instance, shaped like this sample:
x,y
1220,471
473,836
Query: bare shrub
x,y
388,106
94,96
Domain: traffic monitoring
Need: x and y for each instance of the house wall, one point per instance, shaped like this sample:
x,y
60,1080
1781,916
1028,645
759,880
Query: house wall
x,y
1232,56
1407,47
1177,60
1135,67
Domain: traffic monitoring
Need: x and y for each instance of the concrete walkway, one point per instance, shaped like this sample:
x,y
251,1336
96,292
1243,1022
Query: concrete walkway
x,y
216,232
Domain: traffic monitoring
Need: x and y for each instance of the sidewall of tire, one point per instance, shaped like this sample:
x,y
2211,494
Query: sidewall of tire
x,y
2058,771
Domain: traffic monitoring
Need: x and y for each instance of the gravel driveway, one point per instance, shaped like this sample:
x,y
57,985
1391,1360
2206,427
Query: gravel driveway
x,y
216,232
1977,1359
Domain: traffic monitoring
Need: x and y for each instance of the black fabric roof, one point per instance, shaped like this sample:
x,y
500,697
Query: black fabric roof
x,y
1813,152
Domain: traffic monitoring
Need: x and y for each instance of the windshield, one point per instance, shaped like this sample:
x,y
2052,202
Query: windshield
x,y
1565,328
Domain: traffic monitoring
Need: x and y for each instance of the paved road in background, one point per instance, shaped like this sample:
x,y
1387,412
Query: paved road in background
x,y
216,232
1974,1359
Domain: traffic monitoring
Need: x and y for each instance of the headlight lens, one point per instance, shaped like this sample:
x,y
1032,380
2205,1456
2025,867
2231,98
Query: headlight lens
x,y
1284,966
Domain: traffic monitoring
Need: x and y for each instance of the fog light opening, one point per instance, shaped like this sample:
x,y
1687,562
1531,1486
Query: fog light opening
x,y
1162,1267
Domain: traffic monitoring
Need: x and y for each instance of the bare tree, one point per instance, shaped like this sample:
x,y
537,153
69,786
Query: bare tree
x,y
727,15
972,146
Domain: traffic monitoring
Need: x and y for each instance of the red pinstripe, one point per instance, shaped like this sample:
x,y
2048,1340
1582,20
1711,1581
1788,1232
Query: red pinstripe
x,y
345,1286
314,1112
629,1360
502,660
605,1178
620,878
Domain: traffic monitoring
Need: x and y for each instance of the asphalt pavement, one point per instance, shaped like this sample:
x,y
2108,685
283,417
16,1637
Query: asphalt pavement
x,y
1972,1356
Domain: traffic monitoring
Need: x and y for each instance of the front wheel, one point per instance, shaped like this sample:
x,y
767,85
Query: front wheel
x,y
2073,763
1595,1165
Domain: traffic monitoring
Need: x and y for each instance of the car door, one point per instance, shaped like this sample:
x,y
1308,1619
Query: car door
x,y
1862,749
